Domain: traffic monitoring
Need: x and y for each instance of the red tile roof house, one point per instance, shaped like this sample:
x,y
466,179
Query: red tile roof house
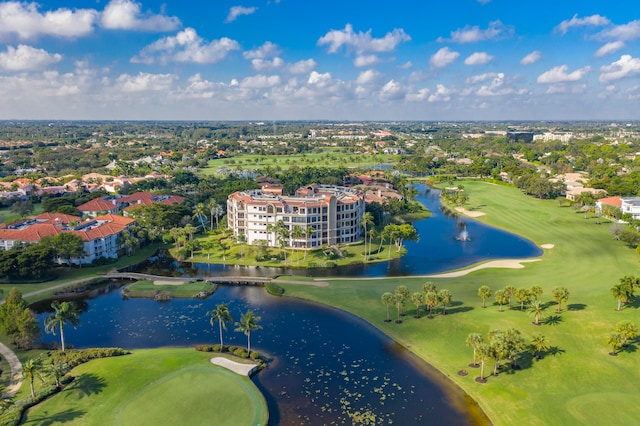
x,y
100,234
113,204
610,201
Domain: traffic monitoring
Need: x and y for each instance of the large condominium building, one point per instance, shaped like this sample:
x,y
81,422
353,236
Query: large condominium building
x,y
326,215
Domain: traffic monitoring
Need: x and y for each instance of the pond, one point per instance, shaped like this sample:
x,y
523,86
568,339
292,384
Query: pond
x,y
438,250
326,364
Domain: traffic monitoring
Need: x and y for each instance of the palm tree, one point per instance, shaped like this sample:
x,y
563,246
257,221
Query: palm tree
x,y
222,314
484,292
403,295
366,220
297,233
560,294
417,299
474,340
241,239
537,310
621,294
31,369
58,368
615,340
428,286
501,298
445,299
388,299
215,210
539,345
535,291
65,312
522,296
248,322
628,329
509,291
484,353
198,213
431,300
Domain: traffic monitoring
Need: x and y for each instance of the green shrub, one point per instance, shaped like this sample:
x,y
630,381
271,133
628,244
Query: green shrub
x,y
240,352
274,289
75,357
205,348
13,414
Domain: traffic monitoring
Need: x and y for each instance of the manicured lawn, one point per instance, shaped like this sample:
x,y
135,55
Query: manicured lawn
x,y
147,288
154,387
578,384
322,159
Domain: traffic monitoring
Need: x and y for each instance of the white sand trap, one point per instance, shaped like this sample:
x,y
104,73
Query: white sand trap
x,y
236,367
469,213
547,246
506,263
313,283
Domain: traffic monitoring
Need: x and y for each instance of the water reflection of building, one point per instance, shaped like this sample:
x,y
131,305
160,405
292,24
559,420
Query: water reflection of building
x,y
326,215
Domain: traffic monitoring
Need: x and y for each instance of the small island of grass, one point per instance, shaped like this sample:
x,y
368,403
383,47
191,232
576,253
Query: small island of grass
x,y
165,291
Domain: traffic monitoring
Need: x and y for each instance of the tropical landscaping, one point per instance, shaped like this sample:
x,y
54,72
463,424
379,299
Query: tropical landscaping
x,y
575,380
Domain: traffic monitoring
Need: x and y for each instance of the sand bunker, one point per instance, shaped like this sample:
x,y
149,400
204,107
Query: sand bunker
x,y
506,263
547,246
236,367
469,213
169,282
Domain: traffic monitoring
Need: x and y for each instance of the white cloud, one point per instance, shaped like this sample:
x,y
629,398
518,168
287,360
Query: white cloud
x,y
302,67
320,80
609,48
365,60
478,58
362,42
443,57
483,77
260,81
25,58
126,15
559,75
634,93
236,11
186,46
495,31
592,21
406,65
392,90
25,21
608,91
531,58
143,82
574,89
418,96
623,67
368,77
266,64
629,31
267,50
442,94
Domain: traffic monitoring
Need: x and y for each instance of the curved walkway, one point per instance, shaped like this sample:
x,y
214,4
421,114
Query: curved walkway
x,y
16,370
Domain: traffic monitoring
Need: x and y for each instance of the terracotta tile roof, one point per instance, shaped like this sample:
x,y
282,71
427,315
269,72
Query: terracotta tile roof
x,y
51,224
612,201
98,204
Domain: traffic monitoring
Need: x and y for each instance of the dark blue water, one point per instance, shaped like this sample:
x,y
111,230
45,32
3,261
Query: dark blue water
x,y
326,364
438,250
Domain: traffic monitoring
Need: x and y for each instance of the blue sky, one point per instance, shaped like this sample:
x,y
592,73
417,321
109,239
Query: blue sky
x,y
332,60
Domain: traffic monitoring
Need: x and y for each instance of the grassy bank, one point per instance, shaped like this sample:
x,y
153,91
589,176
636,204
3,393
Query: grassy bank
x,y
579,382
148,289
150,387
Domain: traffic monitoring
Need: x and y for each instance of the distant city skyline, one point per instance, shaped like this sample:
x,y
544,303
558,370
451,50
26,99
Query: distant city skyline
x,y
293,60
